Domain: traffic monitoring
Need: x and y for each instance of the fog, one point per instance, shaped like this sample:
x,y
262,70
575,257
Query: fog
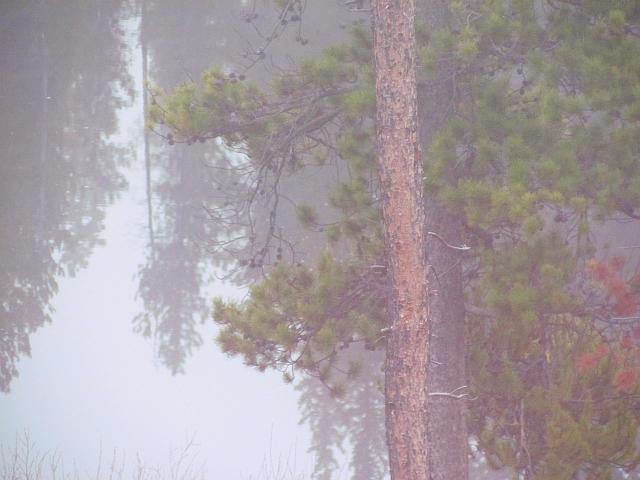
x,y
93,389
194,279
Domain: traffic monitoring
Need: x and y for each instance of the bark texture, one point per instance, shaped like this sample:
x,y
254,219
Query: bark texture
x,y
438,97
403,215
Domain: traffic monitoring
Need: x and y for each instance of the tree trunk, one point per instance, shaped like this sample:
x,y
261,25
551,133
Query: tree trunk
x,y
447,424
403,215
44,136
145,102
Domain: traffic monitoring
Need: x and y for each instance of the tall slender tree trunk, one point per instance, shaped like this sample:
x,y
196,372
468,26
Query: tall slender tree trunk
x,y
437,98
403,215
44,135
145,101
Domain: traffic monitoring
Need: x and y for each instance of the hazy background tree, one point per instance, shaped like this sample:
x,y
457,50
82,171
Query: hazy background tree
x,y
59,172
196,231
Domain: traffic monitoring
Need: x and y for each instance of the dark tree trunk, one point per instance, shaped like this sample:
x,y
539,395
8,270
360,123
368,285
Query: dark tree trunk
x,y
403,215
447,425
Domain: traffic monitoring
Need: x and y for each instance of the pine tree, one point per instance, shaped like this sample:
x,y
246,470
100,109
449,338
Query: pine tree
x,y
323,414
364,417
439,89
401,190
355,420
540,149
58,169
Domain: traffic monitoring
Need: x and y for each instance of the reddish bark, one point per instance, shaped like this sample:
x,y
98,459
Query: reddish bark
x,y
404,219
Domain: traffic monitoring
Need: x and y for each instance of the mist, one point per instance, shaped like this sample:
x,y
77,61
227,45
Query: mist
x,y
195,273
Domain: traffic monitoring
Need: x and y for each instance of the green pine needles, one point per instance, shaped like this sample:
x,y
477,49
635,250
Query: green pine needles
x,y
542,148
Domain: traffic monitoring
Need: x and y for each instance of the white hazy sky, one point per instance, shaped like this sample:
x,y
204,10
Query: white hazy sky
x,y
91,383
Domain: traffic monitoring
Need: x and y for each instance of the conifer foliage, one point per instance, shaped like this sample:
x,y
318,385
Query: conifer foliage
x,y
544,147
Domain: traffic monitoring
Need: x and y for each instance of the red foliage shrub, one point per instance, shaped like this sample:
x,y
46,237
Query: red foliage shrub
x,y
625,379
589,361
625,295
627,341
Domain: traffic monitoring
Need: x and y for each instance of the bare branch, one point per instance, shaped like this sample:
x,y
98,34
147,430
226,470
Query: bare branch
x,y
462,247
453,394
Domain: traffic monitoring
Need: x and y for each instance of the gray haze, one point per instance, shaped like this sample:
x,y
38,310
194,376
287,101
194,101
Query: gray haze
x,y
91,384
106,343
